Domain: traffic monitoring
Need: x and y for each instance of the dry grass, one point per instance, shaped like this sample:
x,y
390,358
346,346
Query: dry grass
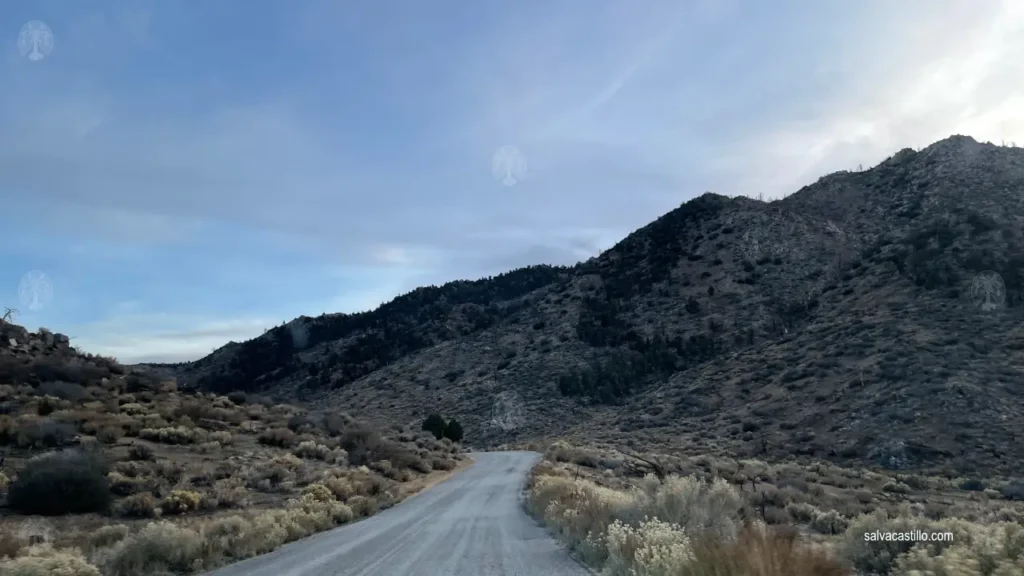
x,y
748,517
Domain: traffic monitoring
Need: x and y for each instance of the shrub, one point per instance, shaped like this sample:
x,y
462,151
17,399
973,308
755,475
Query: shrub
x,y
230,493
221,437
879,557
279,437
141,452
181,502
69,482
169,435
434,424
137,506
802,512
110,434
830,522
995,549
310,449
359,440
44,560
973,485
443,464
653,547
453,430
43,433
108,535
4,482
896,487
159,548
238,398
318,492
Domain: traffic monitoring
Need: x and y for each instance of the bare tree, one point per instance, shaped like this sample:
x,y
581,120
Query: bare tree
x,y
9,314
659,470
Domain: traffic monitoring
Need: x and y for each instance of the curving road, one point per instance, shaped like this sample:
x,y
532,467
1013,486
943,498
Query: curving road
x,y
470,525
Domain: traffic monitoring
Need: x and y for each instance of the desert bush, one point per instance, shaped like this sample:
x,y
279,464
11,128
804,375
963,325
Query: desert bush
x,y
830,522
126,485
443,463
229,492
5,482
879,557
222,437
238,398
802,512
110,434
141,505
360,440
896,487
336,423
363,506
141,452
69,391
318,492
68,482
988,550
399,455
310,449
109,535
158,548
279,437
341,487
653,547
972,485
44,560
181,502
169,435
44,433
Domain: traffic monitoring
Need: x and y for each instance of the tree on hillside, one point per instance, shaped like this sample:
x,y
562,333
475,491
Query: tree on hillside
x,y
435,425
453,431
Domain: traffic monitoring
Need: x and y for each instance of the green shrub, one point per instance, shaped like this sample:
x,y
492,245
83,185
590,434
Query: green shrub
x,y
68,482
434,424
453,430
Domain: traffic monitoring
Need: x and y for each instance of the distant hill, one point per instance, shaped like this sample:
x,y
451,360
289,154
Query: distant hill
x,y
837,323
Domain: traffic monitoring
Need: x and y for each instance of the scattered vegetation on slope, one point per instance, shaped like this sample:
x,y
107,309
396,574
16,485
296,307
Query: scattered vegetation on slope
x,y
112,472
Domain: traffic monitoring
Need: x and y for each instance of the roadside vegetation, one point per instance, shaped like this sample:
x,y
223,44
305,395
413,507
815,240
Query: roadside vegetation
x,y
111,472
655,515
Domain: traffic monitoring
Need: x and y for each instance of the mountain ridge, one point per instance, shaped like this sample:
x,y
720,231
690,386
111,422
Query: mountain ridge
x,y
775,303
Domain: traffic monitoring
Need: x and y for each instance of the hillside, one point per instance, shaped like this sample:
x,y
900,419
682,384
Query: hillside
x,y
108,471
837,323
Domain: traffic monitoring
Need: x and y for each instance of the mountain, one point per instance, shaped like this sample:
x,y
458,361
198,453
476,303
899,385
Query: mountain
x,y
871,317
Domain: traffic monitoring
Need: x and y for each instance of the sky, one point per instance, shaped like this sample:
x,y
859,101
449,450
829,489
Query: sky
x,y
182,174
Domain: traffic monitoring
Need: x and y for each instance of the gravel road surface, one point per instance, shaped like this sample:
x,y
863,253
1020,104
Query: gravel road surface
x,y
471,525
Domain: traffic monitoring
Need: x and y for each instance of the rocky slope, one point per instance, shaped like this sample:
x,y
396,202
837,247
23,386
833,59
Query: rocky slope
x,y
871,316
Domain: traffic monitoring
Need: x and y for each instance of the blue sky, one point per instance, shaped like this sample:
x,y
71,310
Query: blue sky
x,y
188,173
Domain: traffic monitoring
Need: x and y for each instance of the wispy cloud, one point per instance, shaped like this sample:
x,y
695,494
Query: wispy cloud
x,y
231,166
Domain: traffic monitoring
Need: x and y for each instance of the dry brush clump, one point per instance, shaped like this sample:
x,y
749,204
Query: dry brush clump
x,y
681,525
